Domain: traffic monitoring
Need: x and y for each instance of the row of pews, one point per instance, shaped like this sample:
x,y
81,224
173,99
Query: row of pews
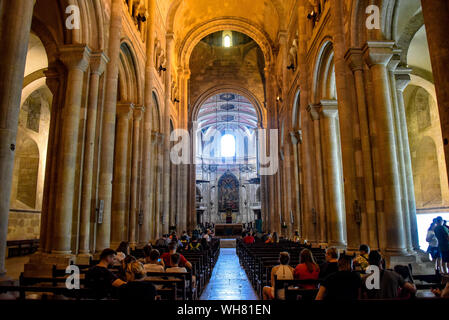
x,y
259,258
169,286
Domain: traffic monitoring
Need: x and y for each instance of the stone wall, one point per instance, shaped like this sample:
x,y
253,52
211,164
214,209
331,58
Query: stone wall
x,y
23,225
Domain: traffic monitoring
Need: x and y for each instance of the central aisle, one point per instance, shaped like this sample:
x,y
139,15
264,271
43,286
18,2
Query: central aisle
x,y
229,280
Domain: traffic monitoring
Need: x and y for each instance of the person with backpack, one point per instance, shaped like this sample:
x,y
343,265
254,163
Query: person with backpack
x,y
194,245
361,261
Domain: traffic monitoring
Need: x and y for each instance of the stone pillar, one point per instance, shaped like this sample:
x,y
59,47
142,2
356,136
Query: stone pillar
x,y
392,65
148,154
108,126
119,184
159,187
306,148
166,129
14,39
76,59
97,65
320,199
336,219
182,210
402,78
296,182
354,57
346,123
436,16
135,208
378,55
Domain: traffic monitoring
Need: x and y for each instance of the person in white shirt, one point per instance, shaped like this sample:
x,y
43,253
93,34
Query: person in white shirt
x,y
155,263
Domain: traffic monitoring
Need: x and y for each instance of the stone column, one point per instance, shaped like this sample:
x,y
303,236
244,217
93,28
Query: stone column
x,y
346,123
378,55
119,192
166,124
392,65
98,62
296,182
108,126
76,59
159,187
135,208
436,16
321,220
14,37
147,140
182,211
402,78
336,219
354,57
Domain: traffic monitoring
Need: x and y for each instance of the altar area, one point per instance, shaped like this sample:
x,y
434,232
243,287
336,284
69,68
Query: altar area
x,y
228,229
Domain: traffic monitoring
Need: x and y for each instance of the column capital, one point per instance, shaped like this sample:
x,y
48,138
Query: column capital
x,y
138,112
378,52
395,60
354,58
98,62
125,110
313,111
328,108
402,77
75,56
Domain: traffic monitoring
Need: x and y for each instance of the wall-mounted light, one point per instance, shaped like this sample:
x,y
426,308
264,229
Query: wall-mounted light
x,y
161,68
291,67
176,100
278,98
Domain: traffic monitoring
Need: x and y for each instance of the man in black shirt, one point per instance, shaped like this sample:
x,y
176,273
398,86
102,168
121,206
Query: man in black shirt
x,y
100,278
341,285
442,234
331,264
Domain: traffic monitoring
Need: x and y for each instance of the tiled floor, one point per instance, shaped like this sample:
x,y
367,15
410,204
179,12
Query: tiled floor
x,y
229,280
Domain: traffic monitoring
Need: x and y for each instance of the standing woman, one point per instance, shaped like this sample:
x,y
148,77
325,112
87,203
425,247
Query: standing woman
x,y
433,246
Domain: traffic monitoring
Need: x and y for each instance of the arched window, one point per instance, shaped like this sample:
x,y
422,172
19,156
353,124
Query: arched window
x,y
227,145
227,39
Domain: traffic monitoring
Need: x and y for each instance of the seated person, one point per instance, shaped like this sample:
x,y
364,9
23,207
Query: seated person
x,y
249,239
172,250
100,278
122,251
296,237
136,288
442,293
331,264
194,245
361,261
174,264
343,285
282,272
307,269
390,281
162,241
154,262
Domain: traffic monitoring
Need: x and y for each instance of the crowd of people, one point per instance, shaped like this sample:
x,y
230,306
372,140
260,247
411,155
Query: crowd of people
x,y
343,277
118,273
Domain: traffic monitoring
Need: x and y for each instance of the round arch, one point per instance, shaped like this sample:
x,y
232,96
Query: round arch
x,y
323,86
221,24
130,82
224,89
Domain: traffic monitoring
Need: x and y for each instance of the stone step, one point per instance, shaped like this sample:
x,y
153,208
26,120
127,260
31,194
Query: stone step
x,y
228,243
